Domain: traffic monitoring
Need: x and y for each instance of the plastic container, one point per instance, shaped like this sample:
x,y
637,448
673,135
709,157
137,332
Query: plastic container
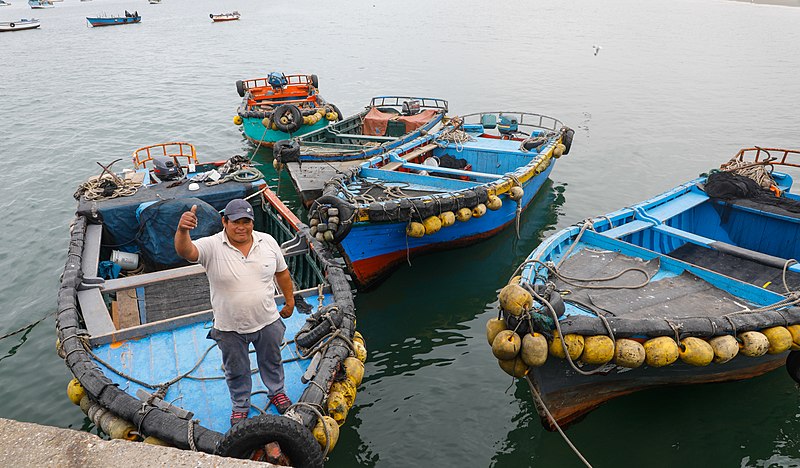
x,y
126,260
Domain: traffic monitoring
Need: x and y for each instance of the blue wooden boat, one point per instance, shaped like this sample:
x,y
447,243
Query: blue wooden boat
x,y
282,106
128,18
133,317
692,286
445,189
385,123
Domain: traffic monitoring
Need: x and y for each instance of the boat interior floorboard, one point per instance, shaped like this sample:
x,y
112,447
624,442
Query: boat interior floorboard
x,y
742,269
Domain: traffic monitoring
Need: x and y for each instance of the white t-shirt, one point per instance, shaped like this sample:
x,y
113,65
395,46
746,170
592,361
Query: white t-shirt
x,y
242,288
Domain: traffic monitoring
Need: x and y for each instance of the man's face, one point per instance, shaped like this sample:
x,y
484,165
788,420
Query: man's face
x,y
239,231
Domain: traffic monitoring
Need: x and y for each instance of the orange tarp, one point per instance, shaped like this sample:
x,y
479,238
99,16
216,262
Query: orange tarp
x,y
375,121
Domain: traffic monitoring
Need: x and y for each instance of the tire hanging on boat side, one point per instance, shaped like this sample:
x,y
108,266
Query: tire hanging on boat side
x,y
793,365
315,81
240,88
338,112
297,442
569,134
293,116
11,25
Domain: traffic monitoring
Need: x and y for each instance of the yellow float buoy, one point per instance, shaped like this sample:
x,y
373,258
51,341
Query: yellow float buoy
x,y
75,391
479,210
515,299
516,193
150,440
333,431
265,122
357,336
494,203
558,151
795,331
780,339
347,389
464,214
597,350
725,348
493,327
506,345
354,369
696,352
337,407
274,126
331,116
448,218
415,229
628,353
534,349
753,344
574,346
237,120
361,351
432,225
661,351
514,367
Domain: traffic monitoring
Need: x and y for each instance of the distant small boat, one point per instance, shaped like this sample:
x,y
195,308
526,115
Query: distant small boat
x,y
232,16
129,18
40,4
153,2
4,3
20,25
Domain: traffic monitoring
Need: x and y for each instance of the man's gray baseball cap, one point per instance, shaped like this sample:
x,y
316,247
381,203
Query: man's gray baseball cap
x,y
238,209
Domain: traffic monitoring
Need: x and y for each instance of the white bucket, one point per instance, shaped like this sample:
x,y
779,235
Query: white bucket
x,y
128,261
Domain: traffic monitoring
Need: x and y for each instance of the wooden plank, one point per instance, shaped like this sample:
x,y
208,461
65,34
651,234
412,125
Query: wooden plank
x,y
447,170
311,176
94,312
128,309
150,278
91,250
409,156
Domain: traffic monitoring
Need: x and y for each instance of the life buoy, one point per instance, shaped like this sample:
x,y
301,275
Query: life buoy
x,y
250,435
240,88
566,139
793,365
211,15
286,151
294,119
11,25
319,210
315,81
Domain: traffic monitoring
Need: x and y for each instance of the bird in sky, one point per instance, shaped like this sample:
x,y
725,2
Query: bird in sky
x,y
596,49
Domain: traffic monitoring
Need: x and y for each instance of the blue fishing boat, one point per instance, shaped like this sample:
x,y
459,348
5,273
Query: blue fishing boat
x,y
128,18
385,124
444,189
133,317
282,106
692,286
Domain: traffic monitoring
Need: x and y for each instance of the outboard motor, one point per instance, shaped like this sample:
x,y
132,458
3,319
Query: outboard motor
x,y
277,80
410,107
507,125
165,168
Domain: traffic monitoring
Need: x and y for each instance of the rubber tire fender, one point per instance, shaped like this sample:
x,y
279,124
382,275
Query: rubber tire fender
x,y
793,365
286,151
11,25
346,212
338,112
315,81
296,440
295,114
240,88
307,339
569,134
211,15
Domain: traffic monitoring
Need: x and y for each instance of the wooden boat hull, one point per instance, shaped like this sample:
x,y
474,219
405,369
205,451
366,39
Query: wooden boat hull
x,y
256,133
373,250
98,22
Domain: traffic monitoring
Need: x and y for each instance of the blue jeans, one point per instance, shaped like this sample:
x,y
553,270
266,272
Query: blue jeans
x,y
236,360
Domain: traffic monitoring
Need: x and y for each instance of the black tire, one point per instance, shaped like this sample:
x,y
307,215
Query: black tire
x,y
240,88
211,15
11,25
346,212
293,115
307,339
569,134
338,112
286,151
315,81
793,365
295,440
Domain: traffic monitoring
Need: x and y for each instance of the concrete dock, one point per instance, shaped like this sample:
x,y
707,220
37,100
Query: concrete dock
x,y
28,444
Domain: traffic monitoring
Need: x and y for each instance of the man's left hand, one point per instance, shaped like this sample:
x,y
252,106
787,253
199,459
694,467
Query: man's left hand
x,y
287,310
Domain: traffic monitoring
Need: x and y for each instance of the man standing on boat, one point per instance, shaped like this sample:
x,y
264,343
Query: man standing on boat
x,y
243,266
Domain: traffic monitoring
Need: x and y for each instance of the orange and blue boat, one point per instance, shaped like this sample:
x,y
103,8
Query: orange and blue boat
x,y
281,106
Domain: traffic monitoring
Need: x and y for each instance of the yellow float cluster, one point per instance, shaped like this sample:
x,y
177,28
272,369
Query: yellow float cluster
x,y
342,394
516,354
433,224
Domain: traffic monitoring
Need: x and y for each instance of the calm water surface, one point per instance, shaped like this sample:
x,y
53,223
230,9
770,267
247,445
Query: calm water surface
x,y
676,88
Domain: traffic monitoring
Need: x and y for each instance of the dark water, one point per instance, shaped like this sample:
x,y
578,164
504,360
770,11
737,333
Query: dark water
x,y
677,87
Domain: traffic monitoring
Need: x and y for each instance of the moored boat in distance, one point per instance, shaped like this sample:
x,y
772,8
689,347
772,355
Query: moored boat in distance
x,y
153,2
129,18
232,16
4,3
449,188
282,106
126,296
20,25
40,4
386,123
695,285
